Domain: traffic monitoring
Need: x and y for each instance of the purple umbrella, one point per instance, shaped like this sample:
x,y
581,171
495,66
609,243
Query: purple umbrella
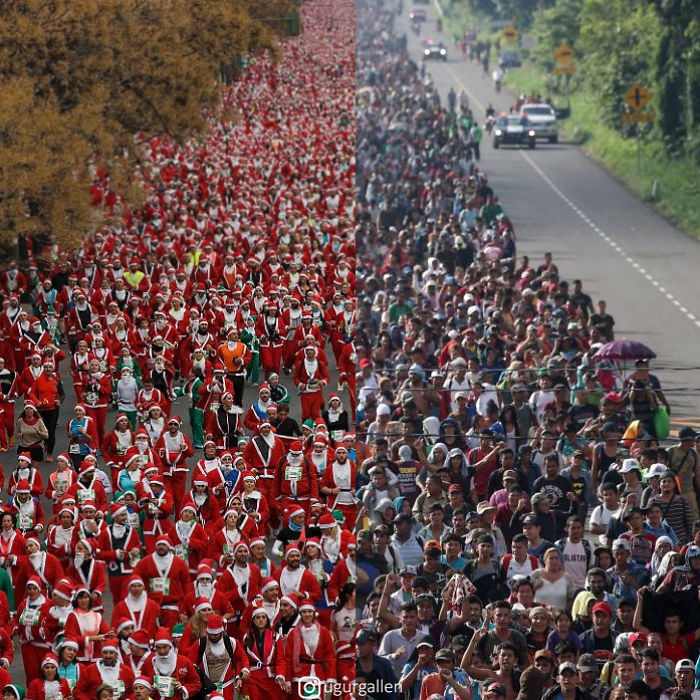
x,y
624,350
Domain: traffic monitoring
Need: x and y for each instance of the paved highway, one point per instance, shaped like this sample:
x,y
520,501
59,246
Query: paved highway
x,y
561,201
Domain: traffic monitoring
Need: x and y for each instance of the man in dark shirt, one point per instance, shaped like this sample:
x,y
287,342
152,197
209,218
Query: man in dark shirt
x,y
599,640
604,322
553,485
373,670
651,676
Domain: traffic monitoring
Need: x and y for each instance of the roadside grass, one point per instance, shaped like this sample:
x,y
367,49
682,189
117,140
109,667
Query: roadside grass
x,y
678,180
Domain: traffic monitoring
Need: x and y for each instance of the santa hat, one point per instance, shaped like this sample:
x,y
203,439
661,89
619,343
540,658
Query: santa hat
x,y
64,458
50,658
249,476
110,644
264,387
158,479
117,509
291,599
295,447
122,624
264,423
63,589
145,682
259,609
256,541
141,434
320,440
313,541
88,504
175,419
69,642
290,549
204,572
267,583
326,521
296,511
188,504
163,636
215,624
86,465
66,509
307,605
25,457
34,539
134,579
164,538
351,543
241,544
122,416
341,448
140,638
23,486
333,397
201,603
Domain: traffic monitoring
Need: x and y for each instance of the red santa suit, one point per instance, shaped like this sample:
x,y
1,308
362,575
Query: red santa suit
x,y
299,579
340,477
296,480
141,610
120,677
79,370
93,576
267,667
310,376
174,451
309,652
271,331
167,580
238,659
115,447
158,505
176,666
263,454
42,565
32,635
38,690
81,625
190,540
113,546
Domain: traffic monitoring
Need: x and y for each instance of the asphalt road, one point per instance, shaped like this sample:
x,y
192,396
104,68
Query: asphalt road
x,y
180,408
563,202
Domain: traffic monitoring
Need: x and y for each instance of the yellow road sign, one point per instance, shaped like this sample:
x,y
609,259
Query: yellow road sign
x,y
510,33
638,97
565,69
638,117
564,53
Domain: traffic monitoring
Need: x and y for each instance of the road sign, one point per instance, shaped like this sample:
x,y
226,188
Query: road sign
x,y
564,53
510,33
638,117
565,69
638,97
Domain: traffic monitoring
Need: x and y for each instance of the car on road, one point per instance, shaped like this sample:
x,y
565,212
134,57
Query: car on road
x,y
513,130
509,59
417,16
434,49
543,120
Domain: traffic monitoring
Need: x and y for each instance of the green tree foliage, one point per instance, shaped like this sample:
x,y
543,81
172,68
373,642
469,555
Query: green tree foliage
x,y
79,78
552,27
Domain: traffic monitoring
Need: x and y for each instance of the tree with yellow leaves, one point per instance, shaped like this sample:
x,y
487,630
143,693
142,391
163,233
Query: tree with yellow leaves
x,y
78,80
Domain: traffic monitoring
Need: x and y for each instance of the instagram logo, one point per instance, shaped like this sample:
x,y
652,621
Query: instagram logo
x,y
310,688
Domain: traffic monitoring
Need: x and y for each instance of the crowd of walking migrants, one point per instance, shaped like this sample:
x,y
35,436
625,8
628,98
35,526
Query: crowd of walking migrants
x,y
177,401
522,530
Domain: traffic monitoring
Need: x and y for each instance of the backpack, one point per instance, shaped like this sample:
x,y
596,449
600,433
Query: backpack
x,y
208,686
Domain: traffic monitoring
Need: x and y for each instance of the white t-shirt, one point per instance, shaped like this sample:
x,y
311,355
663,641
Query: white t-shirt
x,y
574,560
602,516
539,400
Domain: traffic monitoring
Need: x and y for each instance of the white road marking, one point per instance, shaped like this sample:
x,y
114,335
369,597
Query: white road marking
x,y
566,199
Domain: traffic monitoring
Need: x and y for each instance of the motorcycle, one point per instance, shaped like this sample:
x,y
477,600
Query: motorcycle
x,y
488,124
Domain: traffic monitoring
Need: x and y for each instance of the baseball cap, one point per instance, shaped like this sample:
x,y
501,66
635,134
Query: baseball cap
x,y
432,545
621,544
509,474
408,571
530,519
629,465
637,637
496,688
603,607
426,642
538,498
567,666
445,655
365,636
687,433
685,664
587,662
656,470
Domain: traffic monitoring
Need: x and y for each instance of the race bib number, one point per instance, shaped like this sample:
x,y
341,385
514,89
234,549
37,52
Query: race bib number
x,y
292,473
160,584
133,520
152,508
337,435
165,685
182,552
74,449
61,486
25,522
85,495
91,398
119,689
28,618
143,460
214,406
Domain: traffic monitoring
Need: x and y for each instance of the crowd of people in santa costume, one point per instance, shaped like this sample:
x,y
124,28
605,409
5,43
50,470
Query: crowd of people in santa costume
x,y
204,493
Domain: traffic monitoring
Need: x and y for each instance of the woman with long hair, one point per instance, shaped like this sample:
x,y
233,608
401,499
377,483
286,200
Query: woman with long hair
x,y
49,685
196,626
86,626
343,628
30,434
268,664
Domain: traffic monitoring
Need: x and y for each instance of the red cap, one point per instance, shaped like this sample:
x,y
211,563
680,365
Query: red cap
x,y
603,607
